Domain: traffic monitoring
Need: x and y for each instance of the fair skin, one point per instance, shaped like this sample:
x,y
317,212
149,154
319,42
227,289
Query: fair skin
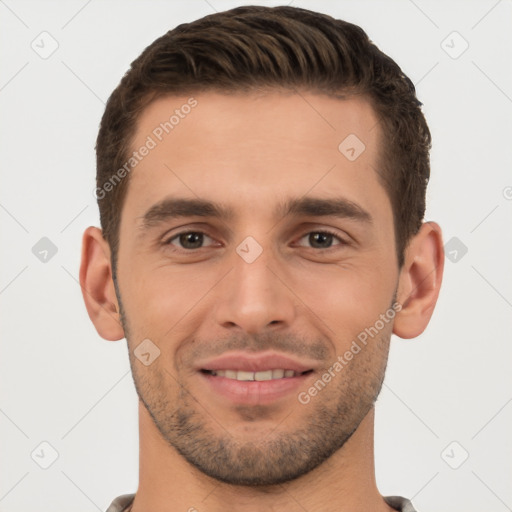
x,y
306,296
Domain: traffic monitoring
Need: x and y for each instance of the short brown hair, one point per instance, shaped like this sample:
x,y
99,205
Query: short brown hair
x,y
253,48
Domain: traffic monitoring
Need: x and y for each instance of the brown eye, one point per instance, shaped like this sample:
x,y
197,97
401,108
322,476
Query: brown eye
x,y
189,240
321,240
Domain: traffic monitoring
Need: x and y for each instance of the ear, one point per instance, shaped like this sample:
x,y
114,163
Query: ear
x,y
98,287
420,281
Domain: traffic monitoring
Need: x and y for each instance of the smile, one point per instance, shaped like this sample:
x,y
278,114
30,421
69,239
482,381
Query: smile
x,y
242,375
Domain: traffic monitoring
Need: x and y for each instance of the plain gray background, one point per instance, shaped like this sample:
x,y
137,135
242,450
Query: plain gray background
x,y
447,394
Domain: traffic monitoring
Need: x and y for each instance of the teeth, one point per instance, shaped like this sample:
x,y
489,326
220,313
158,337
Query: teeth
x,y
278,373
244,375
266,375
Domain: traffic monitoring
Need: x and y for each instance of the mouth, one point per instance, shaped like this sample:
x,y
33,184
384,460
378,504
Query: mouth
x,y
254,378
253,388
259,376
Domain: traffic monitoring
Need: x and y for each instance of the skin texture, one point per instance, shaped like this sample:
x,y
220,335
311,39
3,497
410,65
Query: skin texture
x,y
305,296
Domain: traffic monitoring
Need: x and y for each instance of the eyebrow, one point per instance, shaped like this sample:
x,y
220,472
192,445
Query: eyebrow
x,y
325,207
174,207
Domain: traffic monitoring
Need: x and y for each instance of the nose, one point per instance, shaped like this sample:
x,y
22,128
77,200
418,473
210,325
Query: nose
x,y
254,296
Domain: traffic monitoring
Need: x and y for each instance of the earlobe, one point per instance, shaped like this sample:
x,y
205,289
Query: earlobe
x,y
420,281
98,287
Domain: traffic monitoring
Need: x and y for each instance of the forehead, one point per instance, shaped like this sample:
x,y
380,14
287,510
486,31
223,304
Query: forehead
x,y
273,116
235,148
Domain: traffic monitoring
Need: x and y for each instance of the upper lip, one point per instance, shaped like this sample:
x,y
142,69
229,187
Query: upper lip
x,y
254,362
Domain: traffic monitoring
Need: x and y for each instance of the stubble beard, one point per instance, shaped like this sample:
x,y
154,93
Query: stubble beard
x,y
324,425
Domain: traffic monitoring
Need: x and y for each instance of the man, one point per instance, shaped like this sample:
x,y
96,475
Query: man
x,y
261,182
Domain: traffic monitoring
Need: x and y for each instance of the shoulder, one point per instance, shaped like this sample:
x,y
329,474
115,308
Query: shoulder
x,y
399,503
121,502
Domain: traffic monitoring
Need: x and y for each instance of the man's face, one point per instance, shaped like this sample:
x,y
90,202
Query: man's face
x,y
304,284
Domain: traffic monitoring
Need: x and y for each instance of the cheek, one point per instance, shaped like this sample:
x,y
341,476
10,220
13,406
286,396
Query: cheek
x,y
163,300
346,298
160,300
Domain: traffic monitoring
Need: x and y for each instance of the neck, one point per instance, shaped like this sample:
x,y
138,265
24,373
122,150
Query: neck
x,y
345,482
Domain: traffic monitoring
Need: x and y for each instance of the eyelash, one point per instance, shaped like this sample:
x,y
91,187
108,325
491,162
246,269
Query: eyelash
x,y
342,242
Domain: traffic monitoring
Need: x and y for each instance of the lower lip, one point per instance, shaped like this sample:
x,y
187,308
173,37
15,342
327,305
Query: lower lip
x,y
254,392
